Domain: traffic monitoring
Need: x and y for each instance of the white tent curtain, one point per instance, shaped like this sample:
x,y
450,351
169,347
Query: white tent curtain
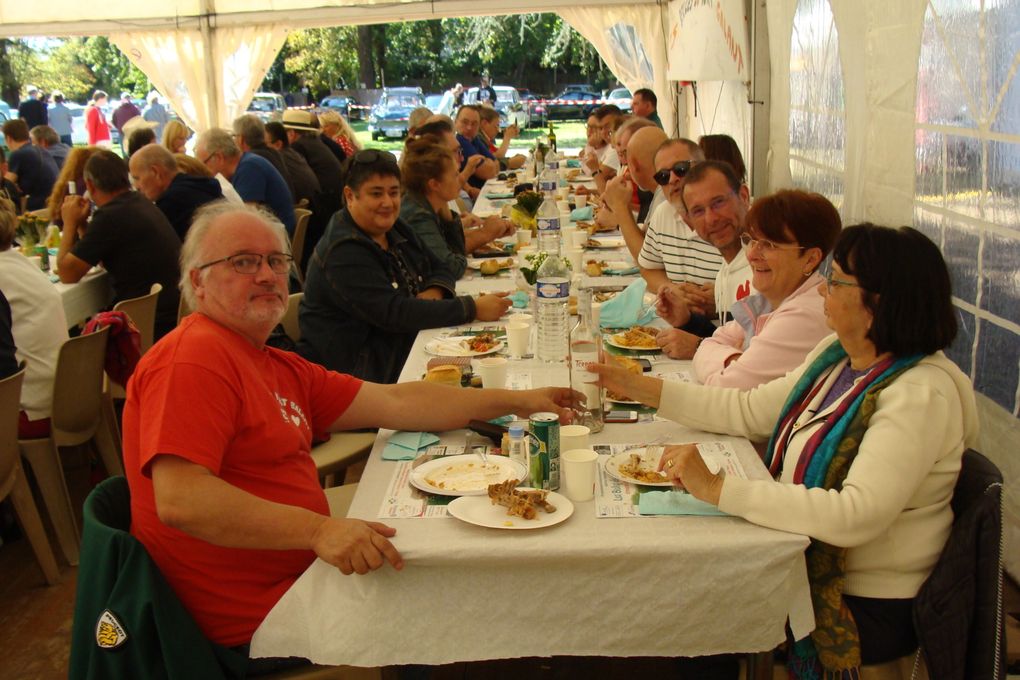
x,y
632,42
176,61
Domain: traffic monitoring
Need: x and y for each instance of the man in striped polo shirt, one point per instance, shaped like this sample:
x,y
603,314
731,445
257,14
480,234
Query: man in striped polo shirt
x,y
672,251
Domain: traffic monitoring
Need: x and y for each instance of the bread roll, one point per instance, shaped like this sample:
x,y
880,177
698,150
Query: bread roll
x,y
444,375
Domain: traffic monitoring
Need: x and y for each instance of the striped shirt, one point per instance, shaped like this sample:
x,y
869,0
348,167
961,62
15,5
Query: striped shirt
x,y
673,246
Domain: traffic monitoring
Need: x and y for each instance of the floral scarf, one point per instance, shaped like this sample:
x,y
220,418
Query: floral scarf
x,y
833,650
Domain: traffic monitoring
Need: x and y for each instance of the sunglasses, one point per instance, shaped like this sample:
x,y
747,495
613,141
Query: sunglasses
x,y
679,169
369,156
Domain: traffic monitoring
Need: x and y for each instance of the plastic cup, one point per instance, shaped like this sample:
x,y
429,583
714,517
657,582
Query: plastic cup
x,y
563,205
580,200
518,336
574,255
578,467
574,437
492,371
523,237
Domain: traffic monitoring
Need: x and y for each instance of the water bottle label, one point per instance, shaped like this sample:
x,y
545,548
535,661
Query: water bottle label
x,y
549,185
553,289
582,361
548,223
552,165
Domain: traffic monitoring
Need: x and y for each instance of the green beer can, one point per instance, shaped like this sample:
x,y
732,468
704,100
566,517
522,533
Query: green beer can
x,y
544,462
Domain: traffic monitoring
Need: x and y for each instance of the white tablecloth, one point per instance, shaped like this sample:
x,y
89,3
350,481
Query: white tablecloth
x,y
85,298
662,586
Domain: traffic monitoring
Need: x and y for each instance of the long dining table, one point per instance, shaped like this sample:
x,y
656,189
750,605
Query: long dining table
x,y
86,297
601,583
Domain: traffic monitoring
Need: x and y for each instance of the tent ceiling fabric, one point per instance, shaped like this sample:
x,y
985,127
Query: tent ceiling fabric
x,y
62,18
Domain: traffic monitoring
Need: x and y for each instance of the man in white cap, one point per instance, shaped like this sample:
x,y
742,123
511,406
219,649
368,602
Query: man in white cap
x,y
122,114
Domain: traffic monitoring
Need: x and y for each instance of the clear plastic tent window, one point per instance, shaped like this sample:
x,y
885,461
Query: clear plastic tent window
x,y
631,60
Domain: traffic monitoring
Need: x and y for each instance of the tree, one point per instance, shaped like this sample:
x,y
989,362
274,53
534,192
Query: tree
x,y
323,57
111,70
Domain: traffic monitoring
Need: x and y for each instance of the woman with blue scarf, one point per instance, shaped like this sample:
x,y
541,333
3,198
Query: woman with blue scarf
x,y
865,440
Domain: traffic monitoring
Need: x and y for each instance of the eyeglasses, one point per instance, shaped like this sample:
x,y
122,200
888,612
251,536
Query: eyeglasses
x,y
249,263
205,161
830,282
679,169
716,205
369,156
766,245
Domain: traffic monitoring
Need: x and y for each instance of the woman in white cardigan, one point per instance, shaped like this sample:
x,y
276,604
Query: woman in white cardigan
x,y
865,441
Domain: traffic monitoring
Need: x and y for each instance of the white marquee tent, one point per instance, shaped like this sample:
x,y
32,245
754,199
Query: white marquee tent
x,y
902,112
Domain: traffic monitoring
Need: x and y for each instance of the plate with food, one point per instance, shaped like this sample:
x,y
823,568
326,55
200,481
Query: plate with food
x,y
506,507
603,243
604,295
490,265
465,475
494,249
636,337
638,466
623,400
464,345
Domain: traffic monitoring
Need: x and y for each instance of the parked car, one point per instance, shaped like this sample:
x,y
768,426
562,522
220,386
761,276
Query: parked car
x,y
389,117
508,103
572,105
536,110
620,97
344,105
267,106
580,87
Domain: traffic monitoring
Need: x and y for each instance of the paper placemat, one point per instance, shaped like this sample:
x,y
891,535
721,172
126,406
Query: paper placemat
x,y
614,498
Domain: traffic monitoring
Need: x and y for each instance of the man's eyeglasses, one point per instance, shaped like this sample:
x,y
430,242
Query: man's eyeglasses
x,y
249,263
205,161
716,205
679,169
766,245
830,282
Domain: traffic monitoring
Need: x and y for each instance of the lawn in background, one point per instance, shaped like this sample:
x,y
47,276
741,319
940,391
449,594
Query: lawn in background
x,y
569,135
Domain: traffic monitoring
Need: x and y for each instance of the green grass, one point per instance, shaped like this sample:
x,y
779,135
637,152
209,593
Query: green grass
x,y
568,135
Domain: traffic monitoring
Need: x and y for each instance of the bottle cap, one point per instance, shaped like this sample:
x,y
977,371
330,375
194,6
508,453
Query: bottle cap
x,y
517,430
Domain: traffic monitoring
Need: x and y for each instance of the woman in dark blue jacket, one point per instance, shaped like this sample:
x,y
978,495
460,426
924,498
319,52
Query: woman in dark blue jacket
x,y
370,285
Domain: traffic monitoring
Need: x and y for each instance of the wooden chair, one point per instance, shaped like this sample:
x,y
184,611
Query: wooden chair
x,y
76,418
290,318
297,242
339,499
12,477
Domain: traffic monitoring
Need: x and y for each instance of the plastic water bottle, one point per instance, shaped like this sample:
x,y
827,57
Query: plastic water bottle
x,y
552,160
518,444
585,348
552,290
548,217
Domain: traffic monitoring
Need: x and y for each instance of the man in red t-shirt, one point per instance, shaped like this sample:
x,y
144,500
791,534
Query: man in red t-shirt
x,y
218,429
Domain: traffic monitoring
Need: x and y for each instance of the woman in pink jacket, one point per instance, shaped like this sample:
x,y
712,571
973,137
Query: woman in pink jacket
x,y
788,235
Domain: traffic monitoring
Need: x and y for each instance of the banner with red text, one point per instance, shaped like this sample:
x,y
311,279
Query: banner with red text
x,y
707,40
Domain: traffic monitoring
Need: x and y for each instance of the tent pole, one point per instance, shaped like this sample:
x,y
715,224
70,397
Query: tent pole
x,y
759,97
212,91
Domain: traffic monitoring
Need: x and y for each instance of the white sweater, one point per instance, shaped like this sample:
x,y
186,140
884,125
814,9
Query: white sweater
x,y
893,511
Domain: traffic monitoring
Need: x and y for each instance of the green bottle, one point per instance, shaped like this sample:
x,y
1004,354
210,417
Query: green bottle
x,y
552,137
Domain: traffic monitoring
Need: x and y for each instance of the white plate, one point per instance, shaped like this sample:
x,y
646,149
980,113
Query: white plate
x,y
465,475
649,460
479,510
451,347
606,243
609,339
623,401
476,262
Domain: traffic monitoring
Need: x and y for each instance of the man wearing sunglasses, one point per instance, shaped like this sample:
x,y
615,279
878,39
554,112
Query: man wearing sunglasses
x,y
673,254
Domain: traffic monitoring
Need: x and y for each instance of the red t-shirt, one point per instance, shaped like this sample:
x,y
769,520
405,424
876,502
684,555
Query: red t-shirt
x,y
206,394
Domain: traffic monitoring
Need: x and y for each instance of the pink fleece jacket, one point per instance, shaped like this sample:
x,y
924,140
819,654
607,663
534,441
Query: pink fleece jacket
x,y
769,343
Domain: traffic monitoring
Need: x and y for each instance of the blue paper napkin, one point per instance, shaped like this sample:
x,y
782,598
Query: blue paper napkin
x,y
622,272
582,214
499,194
405,445
675,503
627,308
573,163
520,299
